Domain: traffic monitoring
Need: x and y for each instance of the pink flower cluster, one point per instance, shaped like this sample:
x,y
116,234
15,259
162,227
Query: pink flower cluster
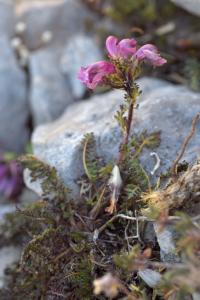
x,y
95,74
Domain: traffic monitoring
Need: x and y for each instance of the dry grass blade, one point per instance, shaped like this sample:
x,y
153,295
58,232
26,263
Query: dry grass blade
x,y
185,143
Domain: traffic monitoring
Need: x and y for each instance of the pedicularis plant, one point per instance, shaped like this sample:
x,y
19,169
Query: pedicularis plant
x,y
120,72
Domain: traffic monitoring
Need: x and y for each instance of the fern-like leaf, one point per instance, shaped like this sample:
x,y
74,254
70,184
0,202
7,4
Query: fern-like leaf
x,y
53,188
90,163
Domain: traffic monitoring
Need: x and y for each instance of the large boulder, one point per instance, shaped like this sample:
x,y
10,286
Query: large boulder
x,y
192,6
13,100
163,106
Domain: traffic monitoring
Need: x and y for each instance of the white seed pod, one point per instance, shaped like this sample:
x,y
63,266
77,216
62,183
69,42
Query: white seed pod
x,y
115,180
157,165
46,36
16,43
20,27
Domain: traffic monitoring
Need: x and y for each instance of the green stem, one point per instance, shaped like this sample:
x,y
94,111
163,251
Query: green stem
x,y
139,150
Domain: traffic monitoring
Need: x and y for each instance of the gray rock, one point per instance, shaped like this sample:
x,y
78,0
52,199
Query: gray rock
x,y
8,255
34,187
27,197
192,6
7,18
150,277
167,242
50,93
63,18
13,101
165,107
196,296
79,51
149,236
6,209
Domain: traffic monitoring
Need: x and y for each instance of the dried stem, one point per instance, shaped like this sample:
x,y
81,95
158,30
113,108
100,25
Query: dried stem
x,y
185,143
141,218
56,294
96,209
163,265
64,253
127,292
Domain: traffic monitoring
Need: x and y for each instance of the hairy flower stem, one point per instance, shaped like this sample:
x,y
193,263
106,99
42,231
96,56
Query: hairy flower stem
x,y
129,122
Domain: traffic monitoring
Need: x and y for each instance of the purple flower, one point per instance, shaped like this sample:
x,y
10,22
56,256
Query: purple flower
x,y
150,54
95,74
123,49
11,181
120,52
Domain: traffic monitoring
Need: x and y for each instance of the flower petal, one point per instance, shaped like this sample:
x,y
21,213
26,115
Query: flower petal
x,y
11,182
94,75
3,171
123,49
111,46
154,58
127,47
150,53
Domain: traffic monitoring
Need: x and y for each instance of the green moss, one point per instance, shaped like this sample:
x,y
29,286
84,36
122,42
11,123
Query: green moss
x,y
81,277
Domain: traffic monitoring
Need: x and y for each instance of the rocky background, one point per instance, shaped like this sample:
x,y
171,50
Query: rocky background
x,y
42,46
